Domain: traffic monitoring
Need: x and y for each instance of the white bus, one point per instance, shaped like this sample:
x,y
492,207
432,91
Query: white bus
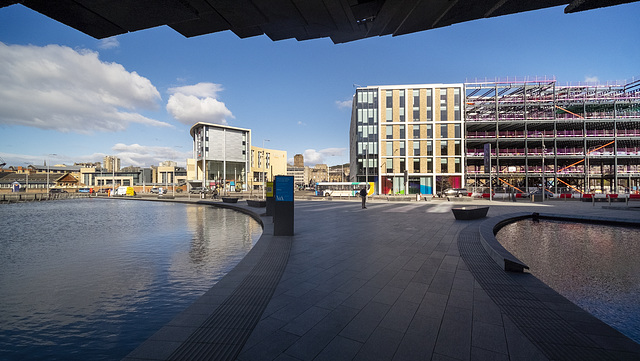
x,y
342,189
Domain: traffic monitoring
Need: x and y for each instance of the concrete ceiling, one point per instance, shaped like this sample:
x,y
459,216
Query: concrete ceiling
x,y
340,20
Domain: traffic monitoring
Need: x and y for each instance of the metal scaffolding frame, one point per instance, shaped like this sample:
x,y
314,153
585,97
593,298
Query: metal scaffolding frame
x,y
572,138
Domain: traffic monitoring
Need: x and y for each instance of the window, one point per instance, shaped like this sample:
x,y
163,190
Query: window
x,y
416,165
389,164
402,153
444,131
389,149
389,131
458,165
429,105
402,167
456,103
416,149
443,104
416,105
402,132
429,165
444,149
389,110
416,132
457,147
401,105
444,165
429,148
457,132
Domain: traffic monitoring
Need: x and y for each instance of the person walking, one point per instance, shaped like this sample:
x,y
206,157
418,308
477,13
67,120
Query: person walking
x,y
363,194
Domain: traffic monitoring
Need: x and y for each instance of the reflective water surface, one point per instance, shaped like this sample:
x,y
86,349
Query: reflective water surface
x,y
92,279
597,267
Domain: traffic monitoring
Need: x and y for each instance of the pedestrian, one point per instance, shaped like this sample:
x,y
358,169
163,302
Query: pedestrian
x,y
363,194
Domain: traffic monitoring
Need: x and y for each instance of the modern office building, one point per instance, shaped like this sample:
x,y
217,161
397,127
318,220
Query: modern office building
x,y
407,139
222,156
567,138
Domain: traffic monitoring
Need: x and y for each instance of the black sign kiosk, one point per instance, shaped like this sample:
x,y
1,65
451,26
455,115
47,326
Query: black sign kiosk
x,y
283,207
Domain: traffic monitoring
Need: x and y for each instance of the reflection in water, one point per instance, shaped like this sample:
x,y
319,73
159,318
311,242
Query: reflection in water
x,y
92,279
597,267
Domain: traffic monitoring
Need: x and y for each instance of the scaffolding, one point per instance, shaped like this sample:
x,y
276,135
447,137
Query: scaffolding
x,y
572,138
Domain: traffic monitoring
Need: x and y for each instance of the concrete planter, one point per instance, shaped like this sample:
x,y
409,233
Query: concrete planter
x,y
469,213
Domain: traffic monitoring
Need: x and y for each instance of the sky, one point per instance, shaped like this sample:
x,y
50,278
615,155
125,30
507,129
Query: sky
x,y
66,97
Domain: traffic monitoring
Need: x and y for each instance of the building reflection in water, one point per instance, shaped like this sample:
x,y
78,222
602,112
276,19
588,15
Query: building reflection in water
x,y
595,266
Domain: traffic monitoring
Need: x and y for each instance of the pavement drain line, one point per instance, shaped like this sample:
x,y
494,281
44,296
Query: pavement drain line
x,y
554,336
223,334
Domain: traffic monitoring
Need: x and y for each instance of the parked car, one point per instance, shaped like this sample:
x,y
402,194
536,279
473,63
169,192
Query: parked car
x,y
547,193
155,190
57,190
455,192
198,190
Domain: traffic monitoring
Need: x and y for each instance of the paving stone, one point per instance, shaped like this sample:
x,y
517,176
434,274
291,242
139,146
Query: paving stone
x,y
396,282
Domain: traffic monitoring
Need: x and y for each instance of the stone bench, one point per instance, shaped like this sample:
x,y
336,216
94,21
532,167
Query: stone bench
x,y
469,213
230,199
256,203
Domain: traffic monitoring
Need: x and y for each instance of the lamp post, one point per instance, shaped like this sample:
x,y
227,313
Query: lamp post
x,y
264,196
48,168
26,188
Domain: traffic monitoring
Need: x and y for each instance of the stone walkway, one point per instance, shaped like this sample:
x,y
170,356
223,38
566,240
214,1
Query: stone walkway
x,y
395,281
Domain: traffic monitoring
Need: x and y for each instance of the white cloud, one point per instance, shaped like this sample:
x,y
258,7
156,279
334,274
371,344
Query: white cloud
x,y
591,79
313,157
142,155
109,43
342,104
197,103
55,87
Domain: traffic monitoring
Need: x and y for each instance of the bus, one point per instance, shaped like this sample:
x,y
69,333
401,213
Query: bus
x,y
342,189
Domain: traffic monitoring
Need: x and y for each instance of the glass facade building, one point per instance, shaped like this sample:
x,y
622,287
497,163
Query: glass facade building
x,y
222,156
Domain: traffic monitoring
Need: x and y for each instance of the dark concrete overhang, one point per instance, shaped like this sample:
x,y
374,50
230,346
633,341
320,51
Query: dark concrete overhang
x,y
340,20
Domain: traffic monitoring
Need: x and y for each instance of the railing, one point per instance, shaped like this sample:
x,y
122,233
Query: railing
x,y
30,197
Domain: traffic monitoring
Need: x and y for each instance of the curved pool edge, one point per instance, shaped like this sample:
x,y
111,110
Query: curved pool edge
x,y
507,261
231,307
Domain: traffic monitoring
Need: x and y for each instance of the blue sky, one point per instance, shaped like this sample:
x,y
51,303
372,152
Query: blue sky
x,y
136,95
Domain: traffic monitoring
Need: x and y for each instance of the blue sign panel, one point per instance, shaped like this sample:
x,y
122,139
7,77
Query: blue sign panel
x,y
284,188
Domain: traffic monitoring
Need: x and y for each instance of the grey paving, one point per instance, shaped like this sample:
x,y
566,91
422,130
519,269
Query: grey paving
x,y
395,281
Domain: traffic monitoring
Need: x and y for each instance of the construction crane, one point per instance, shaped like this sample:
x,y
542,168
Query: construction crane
x,y
2,163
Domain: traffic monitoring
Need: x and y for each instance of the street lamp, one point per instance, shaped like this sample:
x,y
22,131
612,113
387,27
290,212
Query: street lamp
x,y
48,169
264,154
26,188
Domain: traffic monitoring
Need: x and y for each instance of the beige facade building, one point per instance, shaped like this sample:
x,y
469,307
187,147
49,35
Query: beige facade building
x,y
408,139
111,163
298,161
266,164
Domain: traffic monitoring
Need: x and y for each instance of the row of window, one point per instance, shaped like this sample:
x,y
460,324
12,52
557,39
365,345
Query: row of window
x,y
387,165
444,131
261,155
444,148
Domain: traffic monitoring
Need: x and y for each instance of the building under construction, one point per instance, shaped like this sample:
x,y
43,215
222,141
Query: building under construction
x,y
567,138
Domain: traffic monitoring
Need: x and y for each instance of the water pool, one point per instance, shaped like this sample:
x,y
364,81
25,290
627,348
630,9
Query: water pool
x,y
91,279
595,266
